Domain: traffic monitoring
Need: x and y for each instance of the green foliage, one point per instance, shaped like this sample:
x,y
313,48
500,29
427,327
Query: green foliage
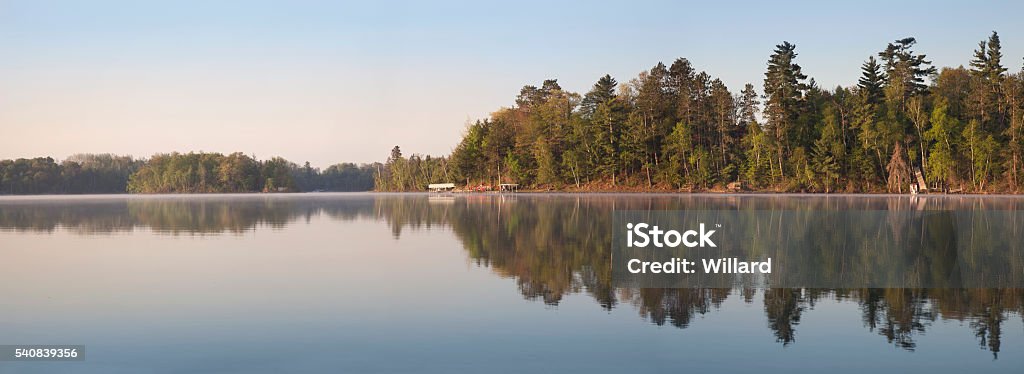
x,y
905,71
871,81
411,174
677,127
237,172
944,136
201,173
784,90
343,177
469,153
670,127
176,173
826,154
677,147
981,150
758,167
78,174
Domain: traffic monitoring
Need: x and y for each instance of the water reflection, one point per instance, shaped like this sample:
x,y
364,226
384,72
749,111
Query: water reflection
x,y
553,246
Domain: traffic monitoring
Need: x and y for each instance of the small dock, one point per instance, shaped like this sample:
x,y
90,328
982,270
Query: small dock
x,y
481,188
508,187
441,187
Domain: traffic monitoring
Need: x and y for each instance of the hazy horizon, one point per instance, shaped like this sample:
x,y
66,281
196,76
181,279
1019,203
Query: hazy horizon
x,y
329,83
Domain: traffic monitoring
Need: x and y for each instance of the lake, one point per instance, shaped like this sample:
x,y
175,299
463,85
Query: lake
x,y
395,283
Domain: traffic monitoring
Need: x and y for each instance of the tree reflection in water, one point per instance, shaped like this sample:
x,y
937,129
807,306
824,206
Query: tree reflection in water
x,y
557,245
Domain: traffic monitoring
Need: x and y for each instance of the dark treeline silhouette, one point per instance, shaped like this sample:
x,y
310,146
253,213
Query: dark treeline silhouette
x,y
553,247
674,127
177,173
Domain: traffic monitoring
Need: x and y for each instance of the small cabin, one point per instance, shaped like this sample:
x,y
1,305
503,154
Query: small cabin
x,y
441,187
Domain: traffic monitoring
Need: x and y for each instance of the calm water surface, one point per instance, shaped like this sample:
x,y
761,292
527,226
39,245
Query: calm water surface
x,y
475,283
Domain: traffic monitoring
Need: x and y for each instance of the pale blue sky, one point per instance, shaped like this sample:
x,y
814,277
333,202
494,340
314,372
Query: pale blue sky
x,y
331,81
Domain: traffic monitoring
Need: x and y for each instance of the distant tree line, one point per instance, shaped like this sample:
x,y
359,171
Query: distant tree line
x,y
338,177
84,173
673,127
177,173
237,172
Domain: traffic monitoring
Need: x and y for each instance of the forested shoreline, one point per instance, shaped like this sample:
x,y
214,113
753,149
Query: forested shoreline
x,y
176,173
673,128
83,173
670,128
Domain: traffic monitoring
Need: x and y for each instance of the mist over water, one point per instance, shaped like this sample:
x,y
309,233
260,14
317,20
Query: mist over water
x,y
416,282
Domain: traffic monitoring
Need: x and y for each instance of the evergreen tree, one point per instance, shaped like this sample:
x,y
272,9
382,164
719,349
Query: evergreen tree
x,y
677,152
987,69
748,105
783,89
602,92
827,153
905,72
871,81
